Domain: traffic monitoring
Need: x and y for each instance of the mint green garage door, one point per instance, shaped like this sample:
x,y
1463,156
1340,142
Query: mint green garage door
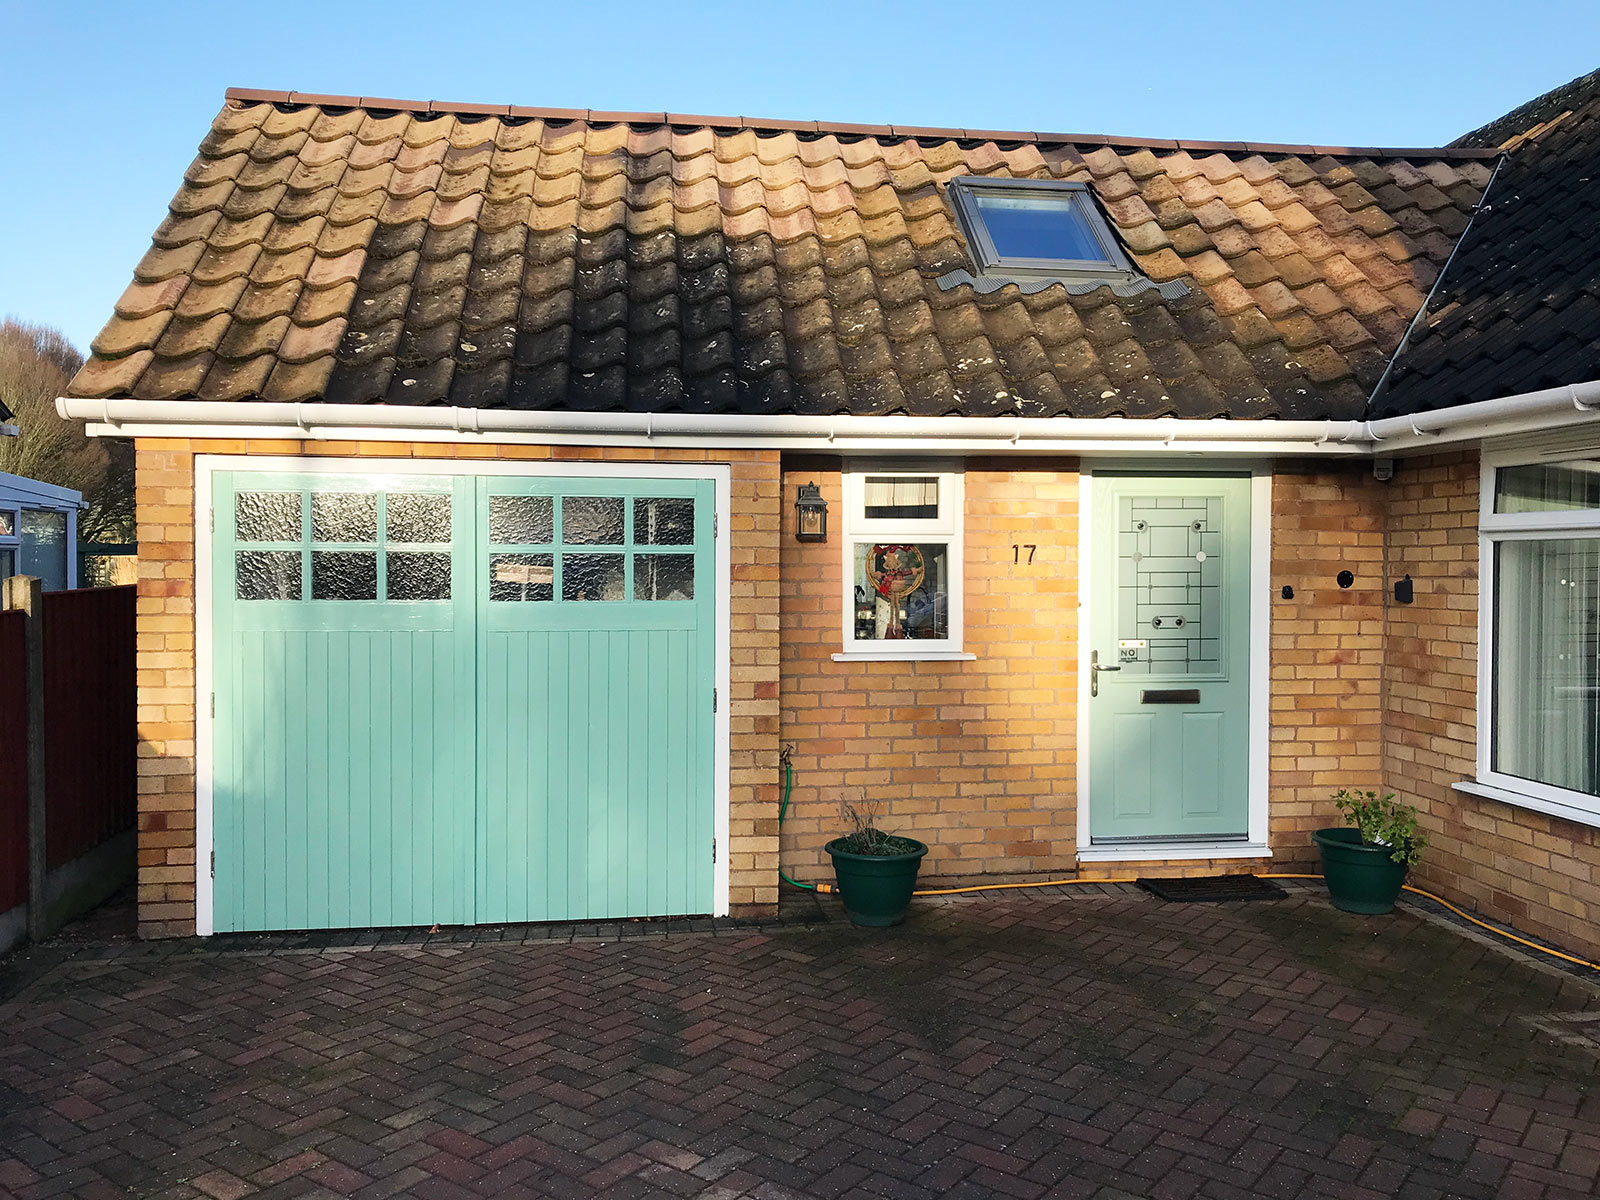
x,y
458,699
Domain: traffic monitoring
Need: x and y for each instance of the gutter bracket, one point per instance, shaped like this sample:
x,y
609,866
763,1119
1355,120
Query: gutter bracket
x,y
1572,390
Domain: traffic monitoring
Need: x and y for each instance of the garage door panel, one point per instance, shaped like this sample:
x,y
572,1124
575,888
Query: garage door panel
x,y
518,745
344,807
611,767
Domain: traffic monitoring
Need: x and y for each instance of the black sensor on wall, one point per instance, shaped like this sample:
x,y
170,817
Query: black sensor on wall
x,y
1403,592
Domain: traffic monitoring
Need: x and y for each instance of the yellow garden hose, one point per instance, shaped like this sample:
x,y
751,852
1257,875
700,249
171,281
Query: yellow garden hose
x,y
829,889
1466,916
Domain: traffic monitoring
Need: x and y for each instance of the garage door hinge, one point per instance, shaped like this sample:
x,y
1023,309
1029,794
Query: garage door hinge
x,y
213,515
713,849
713,699
713,524
213,864
213,704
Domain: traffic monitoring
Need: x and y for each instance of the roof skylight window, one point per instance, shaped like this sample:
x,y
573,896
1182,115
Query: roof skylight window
x,y
1037,227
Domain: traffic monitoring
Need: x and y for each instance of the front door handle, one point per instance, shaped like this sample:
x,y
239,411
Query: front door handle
x,y
1094,672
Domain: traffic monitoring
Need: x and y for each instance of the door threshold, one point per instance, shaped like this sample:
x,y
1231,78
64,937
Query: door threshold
x,y
1171,851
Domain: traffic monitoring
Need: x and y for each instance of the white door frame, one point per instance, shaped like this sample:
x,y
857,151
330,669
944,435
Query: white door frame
x,y
206,465
1255,843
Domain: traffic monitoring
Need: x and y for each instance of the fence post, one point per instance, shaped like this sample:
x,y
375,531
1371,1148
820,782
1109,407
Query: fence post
x,y
25,594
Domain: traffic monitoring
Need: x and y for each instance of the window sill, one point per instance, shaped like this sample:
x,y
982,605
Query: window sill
x,y
1541,804
1171,851
892,656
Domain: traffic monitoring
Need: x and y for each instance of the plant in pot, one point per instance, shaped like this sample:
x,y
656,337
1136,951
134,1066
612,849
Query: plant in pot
x,y
1365,863
876,871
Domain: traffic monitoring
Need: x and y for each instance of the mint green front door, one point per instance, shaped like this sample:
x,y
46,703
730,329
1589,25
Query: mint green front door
x,y
458,699
1169,642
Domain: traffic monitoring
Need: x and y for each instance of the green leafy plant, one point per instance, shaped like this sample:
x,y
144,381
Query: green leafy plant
x,y
865,837
1383,822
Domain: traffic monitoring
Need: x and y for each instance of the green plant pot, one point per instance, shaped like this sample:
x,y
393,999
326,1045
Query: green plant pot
x,y
1360,878
876,888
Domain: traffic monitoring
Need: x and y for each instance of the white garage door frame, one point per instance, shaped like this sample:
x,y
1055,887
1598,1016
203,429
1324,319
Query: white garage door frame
x,y
206,465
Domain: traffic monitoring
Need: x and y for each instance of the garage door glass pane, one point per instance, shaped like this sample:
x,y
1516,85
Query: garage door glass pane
x,y
663,577
417,518
268,574
267,516
418,576
591,520
522,577
344,517
521,520
665,522
591,576
344,575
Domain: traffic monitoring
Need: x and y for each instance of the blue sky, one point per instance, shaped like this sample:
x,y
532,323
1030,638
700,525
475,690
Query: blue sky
x,y
108,101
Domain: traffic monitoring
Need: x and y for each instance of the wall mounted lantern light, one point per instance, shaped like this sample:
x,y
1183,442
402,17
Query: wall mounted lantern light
x,y
811,514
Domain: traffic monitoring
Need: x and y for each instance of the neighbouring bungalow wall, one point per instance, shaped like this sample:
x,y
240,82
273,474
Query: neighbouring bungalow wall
x,y
979,758
1540,873
166,662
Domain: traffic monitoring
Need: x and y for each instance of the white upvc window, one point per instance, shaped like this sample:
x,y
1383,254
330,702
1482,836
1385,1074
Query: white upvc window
x,y
901,540
1539,626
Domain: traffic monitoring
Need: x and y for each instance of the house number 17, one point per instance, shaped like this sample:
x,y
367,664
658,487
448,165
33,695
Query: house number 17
x,y
1017,549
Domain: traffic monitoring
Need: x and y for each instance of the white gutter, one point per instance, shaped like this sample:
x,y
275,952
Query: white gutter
x,y
989,435
1526,412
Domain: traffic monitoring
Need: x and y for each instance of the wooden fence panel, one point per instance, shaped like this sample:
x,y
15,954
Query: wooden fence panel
x,y
91,736
13,764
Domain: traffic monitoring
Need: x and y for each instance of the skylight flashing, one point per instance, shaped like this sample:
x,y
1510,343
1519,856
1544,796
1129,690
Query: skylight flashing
x,y
1037,228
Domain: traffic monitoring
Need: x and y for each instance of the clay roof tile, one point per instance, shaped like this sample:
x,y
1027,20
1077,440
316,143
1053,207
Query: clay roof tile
x,y
456,253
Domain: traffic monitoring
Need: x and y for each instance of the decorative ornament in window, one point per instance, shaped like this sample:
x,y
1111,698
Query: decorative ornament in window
x,y
902,563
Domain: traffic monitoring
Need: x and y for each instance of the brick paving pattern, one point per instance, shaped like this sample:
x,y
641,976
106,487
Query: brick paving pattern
x,y
1016,1044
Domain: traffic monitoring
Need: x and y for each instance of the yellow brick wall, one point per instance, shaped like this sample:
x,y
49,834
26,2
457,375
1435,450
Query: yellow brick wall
x,y
1327,648
166,666
979,759
1540,873
975,758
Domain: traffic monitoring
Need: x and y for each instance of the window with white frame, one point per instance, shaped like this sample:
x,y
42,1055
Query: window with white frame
x,y
1540,704
902,561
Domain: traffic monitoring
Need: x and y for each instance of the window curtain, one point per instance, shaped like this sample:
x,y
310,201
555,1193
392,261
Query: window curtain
x,y
1547,661
1547,487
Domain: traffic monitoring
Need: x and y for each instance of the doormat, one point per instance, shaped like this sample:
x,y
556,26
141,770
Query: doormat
x,y
1212,887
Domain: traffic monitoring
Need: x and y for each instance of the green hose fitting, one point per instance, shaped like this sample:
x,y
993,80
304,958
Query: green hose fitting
x,y
788,786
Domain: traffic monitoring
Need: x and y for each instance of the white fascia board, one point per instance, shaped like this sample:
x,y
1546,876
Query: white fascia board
x,y
1550,408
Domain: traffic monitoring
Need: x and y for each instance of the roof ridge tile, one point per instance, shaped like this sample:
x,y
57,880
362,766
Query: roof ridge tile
x,y
515,111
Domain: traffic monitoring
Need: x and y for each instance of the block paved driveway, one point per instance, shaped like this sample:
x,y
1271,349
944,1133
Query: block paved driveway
x,y
1029,1045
